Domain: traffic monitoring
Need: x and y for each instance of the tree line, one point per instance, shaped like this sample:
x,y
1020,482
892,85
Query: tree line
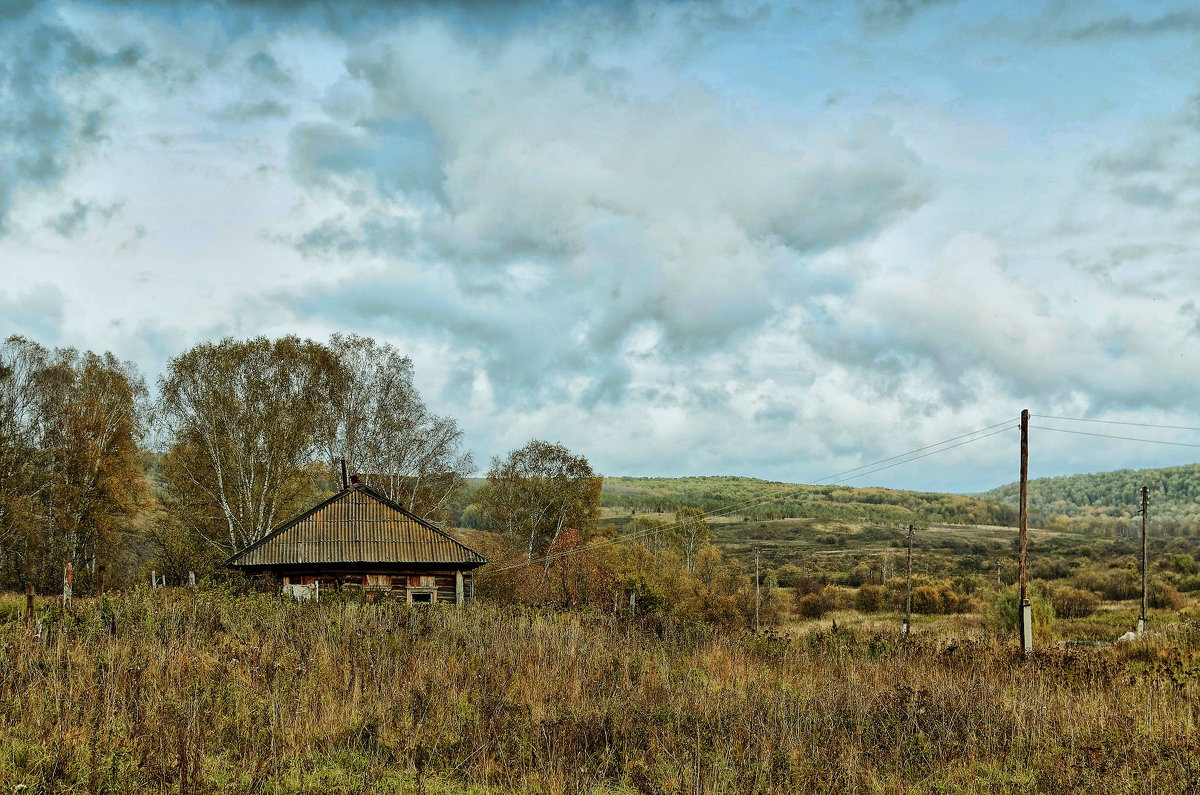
x,y
247,432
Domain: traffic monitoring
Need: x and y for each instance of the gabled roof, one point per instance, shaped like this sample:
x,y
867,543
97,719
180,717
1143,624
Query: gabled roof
x,y
356,526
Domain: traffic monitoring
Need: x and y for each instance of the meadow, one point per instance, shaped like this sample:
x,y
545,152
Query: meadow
x,y
221,691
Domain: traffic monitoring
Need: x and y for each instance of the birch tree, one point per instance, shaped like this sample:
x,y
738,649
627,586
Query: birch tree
x,y
383,429
692,533
244,420
538,491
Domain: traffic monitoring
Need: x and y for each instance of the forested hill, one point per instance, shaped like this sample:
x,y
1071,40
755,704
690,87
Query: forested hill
x,y
761,500
1174,494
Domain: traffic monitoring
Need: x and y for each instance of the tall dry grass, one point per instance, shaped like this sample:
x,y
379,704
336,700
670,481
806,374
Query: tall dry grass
x,y
225,693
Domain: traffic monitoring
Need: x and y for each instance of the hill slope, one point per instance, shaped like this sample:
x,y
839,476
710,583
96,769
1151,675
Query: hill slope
x,y
758,500
1114,496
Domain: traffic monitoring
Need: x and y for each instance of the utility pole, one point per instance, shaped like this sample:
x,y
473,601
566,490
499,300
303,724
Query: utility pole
x,y
757,599
1145,514
908,586
1026,611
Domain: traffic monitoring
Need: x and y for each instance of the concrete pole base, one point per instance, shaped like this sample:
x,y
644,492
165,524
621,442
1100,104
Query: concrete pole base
x,y
1026,627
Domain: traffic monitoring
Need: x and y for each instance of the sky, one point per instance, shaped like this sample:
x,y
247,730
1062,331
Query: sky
x,y
779,240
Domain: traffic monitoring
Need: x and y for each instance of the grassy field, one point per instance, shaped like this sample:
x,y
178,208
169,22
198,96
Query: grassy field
x,y
225,693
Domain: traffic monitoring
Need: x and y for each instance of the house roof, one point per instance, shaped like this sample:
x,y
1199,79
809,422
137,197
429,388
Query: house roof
x,y
356,526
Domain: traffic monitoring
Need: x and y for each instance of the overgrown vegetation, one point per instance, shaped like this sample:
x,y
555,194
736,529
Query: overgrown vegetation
x,y
221,693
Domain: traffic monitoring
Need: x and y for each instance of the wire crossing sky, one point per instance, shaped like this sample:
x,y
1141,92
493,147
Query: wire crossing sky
x,y
764,239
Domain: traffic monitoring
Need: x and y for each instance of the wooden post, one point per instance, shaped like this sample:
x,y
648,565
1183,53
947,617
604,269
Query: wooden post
x,y
99,580
1026,622
458,588
154,579
1145,559
29,603
345,479
908,587
757,598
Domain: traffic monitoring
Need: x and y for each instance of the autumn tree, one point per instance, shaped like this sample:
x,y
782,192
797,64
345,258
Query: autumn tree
x,y
69,462
693,533
536,492
382,428
244,421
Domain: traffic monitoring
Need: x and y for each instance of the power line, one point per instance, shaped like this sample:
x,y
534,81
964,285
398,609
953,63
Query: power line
x,y
1110,436
750,503
1118,422
910,452
917,458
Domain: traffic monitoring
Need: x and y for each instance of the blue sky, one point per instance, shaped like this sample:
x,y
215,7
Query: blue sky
x,y
778,240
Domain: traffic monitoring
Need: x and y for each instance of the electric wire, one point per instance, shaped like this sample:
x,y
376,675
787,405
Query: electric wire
x,y
1118,422
1110,436
725,510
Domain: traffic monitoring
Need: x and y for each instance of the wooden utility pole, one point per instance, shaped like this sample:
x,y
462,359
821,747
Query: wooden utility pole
x,y
758,600
1145,515
1026,622
908,586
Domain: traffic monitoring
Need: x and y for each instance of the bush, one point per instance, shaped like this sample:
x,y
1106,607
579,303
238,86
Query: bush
x,y
838,597
1183,563
788,575
927,599
869,599
1002,614
812,605
1163,596
1074,602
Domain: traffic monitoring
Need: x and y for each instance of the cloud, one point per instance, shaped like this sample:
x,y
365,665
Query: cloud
x,y
537,177
37,313
890,15
248,112
76,220
41,132
1128,27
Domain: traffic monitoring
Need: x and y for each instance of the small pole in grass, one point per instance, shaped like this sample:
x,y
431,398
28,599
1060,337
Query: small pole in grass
x,y
29,603
99,580
908,587
1145,512
68,581
757,598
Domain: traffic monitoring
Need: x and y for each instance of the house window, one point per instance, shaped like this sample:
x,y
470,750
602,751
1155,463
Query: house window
x,y
422,596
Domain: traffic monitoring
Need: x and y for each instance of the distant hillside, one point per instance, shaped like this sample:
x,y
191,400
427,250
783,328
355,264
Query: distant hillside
x,y
762,500
1112,496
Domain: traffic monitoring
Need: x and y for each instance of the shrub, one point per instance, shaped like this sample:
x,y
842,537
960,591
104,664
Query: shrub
x,y
812,605
838,597
869,599
1074,602
1161,595
1003,612
788,574
1183,563
927,599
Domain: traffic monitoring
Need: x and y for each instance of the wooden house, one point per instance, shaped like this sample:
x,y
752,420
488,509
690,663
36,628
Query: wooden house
x,y
359,538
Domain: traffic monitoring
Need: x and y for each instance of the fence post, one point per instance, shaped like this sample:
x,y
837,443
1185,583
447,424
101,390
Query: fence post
x,y
29,603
